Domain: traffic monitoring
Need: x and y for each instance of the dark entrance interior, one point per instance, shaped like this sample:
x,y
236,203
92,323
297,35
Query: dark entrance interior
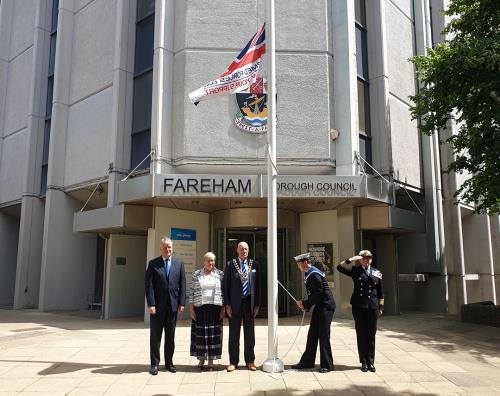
x,y
257,243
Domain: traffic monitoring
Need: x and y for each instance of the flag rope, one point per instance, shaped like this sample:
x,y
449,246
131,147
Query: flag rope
x,y
289,371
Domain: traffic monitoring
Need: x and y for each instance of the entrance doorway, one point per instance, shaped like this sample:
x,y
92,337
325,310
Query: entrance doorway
x,y
256,238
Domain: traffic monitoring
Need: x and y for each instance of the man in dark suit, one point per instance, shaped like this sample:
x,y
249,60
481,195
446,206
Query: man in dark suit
x,y
320,296
165,296
242,300
367,304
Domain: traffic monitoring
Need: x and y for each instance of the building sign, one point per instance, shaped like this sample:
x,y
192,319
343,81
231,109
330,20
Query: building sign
x,y
252,186
207,185
319,186
322,257
256,186
184,246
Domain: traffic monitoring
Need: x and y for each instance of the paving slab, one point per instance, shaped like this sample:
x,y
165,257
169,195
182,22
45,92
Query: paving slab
x,y
74,354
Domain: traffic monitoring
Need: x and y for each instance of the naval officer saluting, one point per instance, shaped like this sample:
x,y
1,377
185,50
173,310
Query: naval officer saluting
x,y
367,303
320,296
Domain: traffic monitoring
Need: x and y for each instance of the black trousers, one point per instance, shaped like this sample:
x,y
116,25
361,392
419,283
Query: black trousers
x,y
246,316
319,329
159,322
365,321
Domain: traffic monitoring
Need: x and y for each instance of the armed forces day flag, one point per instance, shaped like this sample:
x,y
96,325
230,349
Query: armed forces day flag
x,y
241,74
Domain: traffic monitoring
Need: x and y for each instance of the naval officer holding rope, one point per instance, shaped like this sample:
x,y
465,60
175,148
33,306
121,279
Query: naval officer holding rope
x,y
319,296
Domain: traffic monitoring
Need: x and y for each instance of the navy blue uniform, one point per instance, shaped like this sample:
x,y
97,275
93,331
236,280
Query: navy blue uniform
x,y
320,296
366,300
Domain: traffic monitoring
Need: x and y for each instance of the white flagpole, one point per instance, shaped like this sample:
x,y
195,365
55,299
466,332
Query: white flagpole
x,y
272,364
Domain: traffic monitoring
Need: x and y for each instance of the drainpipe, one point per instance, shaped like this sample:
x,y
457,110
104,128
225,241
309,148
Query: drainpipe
x,y
430,155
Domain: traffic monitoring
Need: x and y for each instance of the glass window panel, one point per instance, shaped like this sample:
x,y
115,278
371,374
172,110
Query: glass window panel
x,y
365,150
52,53
141,147
144,42
361,53
43,181
50,94
55,15
363,108
144,8
46,141
360,12
143,92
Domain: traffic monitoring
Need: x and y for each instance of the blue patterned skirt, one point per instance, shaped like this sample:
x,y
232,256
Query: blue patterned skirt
x,y
206,333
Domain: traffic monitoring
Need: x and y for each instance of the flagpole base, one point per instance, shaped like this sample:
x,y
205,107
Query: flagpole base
x,y
273,366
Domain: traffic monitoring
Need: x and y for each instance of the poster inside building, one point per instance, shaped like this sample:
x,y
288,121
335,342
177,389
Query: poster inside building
x,y
322,257
184,241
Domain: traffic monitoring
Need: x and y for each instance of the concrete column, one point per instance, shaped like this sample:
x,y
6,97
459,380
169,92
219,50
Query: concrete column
x,y
152,252
163,61
379,87
123,80
489,246
9,233
348,246
32,208
345,92
6,11
68,259
495,243
437,287
27,285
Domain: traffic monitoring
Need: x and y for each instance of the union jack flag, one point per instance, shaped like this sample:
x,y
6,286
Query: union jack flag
x,y
241,73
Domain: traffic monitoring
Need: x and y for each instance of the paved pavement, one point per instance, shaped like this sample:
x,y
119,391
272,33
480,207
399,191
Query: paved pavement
x,y
417,354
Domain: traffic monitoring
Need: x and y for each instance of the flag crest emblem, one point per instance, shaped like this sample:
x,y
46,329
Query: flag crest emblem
x,y
252,115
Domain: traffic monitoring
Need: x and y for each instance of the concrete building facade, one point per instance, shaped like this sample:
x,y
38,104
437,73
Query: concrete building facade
x,y
101,152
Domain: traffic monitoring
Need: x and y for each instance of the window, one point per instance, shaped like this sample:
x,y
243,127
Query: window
x,y
361,53
363,108
360,12
143,83
145,8
144,36
50,95
143,91
141,146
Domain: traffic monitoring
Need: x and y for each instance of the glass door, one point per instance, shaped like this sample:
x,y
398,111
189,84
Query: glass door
x,y
257,244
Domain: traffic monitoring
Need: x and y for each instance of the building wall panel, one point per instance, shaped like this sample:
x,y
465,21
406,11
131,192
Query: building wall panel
x,y
93,49
303,122
18,93
23,22
88,138
12,166
405,144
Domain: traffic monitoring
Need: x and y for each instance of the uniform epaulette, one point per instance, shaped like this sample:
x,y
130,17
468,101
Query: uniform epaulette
x,y
376,273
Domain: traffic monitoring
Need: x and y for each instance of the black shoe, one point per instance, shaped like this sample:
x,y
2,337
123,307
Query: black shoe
x,y
324,370
153,370
372,368
364,367
300,366
171,368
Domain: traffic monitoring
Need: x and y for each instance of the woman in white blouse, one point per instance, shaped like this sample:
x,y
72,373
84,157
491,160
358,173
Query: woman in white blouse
x,y
207,312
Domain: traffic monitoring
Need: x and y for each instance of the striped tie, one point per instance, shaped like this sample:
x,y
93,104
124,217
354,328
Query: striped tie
x,y
245,282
